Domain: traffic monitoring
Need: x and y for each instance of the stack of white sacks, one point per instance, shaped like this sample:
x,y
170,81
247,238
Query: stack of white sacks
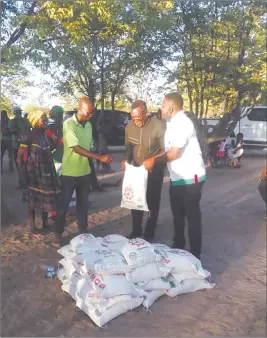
x,y
111,275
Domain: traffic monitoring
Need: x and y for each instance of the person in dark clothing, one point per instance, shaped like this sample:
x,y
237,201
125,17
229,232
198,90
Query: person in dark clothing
x,y
18,126
144,138
6,141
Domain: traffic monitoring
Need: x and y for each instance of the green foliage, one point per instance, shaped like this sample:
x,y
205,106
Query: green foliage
x,y
6,105
95,48
30,108
219,51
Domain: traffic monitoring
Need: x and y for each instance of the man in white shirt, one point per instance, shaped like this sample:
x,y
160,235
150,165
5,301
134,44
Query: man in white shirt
x,y
187,172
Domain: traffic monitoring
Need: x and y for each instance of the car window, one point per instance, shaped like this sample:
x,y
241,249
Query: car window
x,y
258,114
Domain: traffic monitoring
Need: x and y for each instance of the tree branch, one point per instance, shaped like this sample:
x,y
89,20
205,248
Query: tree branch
x,y
18,32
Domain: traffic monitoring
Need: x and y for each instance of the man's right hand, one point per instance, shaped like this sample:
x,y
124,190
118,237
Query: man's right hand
x,y
123,164
106,159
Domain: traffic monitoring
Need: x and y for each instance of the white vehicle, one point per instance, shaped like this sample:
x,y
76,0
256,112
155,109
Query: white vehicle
x,y
253,125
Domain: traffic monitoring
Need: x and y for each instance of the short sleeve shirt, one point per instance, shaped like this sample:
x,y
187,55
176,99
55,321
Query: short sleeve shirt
x,y
74,134
180,133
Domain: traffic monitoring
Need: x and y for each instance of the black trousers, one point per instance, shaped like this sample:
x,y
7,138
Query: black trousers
x,y
185,203
263,190
6,145
93,177
15,155
68,185
154,185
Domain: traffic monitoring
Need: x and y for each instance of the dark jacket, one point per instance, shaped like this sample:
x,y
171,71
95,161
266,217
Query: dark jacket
x,y
143,143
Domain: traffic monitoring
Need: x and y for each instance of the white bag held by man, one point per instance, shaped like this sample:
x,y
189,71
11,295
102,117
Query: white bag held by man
x,y
134,188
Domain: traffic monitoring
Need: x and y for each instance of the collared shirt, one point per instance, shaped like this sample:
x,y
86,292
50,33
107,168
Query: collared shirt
x,y
189,167
145,142
74,134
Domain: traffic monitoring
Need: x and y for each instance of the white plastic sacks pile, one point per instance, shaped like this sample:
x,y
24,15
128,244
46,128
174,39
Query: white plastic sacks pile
x,y
111,275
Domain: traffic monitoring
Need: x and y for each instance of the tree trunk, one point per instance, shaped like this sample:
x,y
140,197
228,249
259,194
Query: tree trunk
x,y
102,90
113,96
91,91
5,214
197,106
226,104
207,108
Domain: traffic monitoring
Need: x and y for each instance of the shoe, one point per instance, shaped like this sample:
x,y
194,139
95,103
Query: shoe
x,y
176,246
56,242
196,255
97,188
265,218
47,228
134,235
149,239
148,236
35,231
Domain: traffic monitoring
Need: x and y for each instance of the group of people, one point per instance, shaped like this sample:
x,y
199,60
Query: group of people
x,y
57,158
11,129
172,141
228,151
50,165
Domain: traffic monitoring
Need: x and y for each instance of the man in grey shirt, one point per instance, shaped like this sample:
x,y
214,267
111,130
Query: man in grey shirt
x,y
144,139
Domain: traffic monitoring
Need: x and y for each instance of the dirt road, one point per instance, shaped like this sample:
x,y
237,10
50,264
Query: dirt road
x,y
234,250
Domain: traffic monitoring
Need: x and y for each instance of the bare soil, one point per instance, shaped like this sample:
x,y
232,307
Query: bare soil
x,y
234,250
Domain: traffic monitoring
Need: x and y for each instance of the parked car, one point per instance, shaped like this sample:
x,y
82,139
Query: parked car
x,y
253,124
115,122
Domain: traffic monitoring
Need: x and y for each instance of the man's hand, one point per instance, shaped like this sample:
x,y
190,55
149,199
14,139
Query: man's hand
x,y
106,159
123,164
149,164
263,174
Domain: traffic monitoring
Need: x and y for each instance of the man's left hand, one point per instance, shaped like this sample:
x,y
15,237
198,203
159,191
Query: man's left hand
x,y
149,164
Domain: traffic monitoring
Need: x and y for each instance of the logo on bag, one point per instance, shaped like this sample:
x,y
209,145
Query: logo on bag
x,y
137,242
181,252
128,193
133,256
102,252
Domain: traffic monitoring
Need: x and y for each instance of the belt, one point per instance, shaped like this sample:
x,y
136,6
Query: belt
x,y
189,181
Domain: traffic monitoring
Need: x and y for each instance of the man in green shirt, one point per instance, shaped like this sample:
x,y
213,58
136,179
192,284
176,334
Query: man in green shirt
x,y
77,138
18,126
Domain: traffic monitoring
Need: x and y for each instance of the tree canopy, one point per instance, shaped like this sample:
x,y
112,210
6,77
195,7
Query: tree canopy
x,y
213,51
